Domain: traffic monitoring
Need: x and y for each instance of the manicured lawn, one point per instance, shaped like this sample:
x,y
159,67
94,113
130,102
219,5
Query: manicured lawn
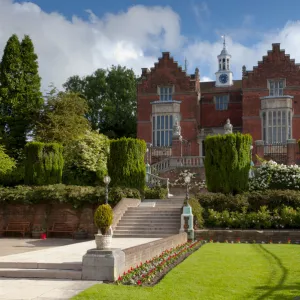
x,y
220,271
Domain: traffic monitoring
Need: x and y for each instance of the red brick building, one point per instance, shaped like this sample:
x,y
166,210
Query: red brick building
x,y
265,104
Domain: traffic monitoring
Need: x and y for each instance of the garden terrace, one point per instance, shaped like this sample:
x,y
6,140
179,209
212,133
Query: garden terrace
x,y
219,271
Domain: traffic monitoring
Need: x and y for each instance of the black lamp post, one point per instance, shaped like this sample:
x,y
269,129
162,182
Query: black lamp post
x,y
187,180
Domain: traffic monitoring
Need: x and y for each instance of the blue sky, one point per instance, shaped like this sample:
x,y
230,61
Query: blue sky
x,y
134,33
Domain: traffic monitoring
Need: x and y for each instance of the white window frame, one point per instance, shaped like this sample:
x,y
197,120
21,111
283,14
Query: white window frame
x,y
162,133
221,102
276,87
165,93
276,125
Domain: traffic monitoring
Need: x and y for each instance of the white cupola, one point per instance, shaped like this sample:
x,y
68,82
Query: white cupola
x,y
224,76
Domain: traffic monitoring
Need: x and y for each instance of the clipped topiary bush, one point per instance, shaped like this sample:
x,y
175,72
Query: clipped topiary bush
x,y
43,163
103,218
227,162
126,165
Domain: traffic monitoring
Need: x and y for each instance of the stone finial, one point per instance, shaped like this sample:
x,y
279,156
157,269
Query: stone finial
x,y
244,70
228,127
196,72
176,129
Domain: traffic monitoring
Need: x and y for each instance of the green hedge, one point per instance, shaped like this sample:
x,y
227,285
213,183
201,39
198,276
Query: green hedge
x,y
197,210
156,192
251,201
126,165
260,210
77,196
43,164
227,162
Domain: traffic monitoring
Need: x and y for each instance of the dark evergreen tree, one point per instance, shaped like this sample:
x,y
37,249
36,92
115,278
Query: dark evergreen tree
x,y
20,96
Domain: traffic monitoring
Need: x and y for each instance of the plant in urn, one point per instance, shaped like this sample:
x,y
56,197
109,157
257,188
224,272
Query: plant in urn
x,y
103,219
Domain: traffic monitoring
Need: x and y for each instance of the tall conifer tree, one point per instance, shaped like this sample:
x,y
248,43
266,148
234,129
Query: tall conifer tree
x,y
20,96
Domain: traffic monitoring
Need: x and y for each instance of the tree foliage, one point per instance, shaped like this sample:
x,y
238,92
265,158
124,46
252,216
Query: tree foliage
x,y
20,96
227,162
7,164
62,119
111,97
86,159
126,165
44,163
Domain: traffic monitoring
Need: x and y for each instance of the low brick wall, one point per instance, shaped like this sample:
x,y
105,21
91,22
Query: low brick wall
x,y
46,214
135,255
249,235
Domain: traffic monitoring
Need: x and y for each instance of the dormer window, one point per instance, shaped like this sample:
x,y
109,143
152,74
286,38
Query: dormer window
x,y
276,87
165,93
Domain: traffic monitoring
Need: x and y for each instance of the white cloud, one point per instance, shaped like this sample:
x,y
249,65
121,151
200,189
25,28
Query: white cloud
x,y
205,78
134,38
204,53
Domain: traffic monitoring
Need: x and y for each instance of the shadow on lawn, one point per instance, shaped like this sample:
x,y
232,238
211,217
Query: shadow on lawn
x,y
270,288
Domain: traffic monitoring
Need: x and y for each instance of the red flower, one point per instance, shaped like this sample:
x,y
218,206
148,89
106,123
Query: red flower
x,y
120,278
139,282
124,273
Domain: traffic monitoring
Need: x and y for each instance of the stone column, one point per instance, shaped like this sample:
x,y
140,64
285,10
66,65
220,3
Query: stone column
x,y
259,151
291,151
177,146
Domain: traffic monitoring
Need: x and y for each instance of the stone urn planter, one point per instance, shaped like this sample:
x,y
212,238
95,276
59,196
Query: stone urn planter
x,y
103,220
37,234
103,241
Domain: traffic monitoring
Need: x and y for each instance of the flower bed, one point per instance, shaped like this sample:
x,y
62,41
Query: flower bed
x,y
152,271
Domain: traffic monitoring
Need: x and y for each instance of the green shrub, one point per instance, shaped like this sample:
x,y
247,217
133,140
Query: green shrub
x,y
13,177
7,164
116,194
197,212
227,162
126,165
86,159
76,196
103,218
221,202
156,192
43,164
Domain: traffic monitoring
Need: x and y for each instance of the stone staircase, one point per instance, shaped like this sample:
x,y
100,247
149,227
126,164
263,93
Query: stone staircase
x,y
41,270
153,218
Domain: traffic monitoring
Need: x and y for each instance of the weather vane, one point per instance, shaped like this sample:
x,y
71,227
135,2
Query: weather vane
x,y
224,41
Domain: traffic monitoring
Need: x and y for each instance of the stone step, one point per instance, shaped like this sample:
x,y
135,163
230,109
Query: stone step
x,y
148,222
34,265
143,235
148,228
155,209
150,217
147,213
150,231
40,273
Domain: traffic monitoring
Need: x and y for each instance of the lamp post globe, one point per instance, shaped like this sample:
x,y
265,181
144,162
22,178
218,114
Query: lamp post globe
x,y
106,180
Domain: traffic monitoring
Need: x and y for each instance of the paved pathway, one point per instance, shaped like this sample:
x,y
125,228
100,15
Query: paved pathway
x,y
46,289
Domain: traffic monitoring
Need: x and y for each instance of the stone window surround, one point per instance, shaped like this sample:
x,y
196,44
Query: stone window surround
x,y
166,86
277,104
221,104
276,80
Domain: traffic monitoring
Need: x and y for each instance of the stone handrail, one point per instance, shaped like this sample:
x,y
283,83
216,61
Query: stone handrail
x,y
175,162
152,179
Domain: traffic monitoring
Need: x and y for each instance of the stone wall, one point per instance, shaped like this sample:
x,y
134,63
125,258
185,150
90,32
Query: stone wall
x,y
135,255
249,235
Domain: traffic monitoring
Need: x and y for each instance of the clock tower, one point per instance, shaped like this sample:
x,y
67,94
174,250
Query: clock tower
x,y
224,75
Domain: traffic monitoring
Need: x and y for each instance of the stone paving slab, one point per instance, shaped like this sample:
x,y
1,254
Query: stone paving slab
x,y
10,246
26,289
70,253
